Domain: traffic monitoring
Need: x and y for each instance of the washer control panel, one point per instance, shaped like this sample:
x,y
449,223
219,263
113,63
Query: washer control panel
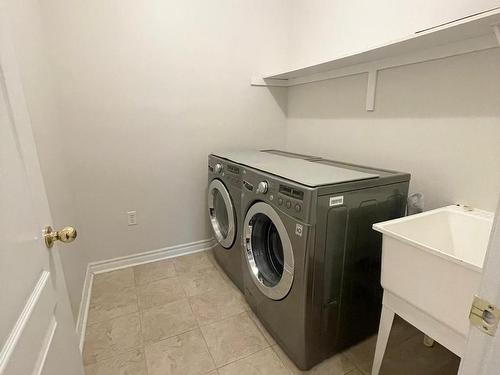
x,y
290,197
290,205
285,197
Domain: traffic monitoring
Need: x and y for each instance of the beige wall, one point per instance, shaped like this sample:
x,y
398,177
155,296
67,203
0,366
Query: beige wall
x,y
440,121
146,90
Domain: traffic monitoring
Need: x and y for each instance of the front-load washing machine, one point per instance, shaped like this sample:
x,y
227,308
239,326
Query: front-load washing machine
x,y
224,196
312,272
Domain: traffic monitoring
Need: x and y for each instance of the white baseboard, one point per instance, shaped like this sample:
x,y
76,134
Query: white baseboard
x,y
128,261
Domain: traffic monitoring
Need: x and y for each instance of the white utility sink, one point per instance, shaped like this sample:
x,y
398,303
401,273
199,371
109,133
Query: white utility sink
x,y
431,270
434,260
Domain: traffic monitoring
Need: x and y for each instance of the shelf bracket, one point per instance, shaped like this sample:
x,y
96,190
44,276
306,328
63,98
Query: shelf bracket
x,y
371,88
496,28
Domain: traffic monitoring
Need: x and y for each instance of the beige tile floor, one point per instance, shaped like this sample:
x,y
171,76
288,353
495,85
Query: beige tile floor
x,y
182,316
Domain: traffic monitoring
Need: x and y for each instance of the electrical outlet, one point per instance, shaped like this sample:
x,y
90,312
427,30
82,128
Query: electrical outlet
x,y
132,217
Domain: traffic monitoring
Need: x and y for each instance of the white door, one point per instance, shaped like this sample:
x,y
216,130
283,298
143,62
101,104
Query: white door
x,y
37,333
482,355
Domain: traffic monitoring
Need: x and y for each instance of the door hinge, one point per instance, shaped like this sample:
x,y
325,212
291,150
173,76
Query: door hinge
x,y
484,316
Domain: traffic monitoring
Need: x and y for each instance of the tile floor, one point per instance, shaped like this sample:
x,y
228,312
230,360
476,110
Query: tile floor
x,y
182,316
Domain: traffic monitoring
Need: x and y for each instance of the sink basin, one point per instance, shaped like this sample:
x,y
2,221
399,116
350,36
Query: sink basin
x,y
434,261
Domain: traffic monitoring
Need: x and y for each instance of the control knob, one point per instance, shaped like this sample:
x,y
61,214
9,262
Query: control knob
x,y
262,187
218,168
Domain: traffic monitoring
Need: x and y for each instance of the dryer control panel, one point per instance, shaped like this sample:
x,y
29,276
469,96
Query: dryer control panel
x,y
226,171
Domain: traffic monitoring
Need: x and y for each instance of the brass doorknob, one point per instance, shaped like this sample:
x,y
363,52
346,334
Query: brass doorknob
x,y
66,235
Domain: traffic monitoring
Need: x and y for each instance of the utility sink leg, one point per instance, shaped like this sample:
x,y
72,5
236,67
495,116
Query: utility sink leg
x,y
386,319
428,341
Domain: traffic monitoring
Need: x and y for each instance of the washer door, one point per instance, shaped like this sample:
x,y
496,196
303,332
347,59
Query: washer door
x,y
269,251
221,213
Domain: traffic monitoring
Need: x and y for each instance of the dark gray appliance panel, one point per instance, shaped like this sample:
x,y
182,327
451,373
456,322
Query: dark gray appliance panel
x,y
347,295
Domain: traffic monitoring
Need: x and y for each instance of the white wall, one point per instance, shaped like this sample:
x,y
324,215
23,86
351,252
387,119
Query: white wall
x,y
146,90
440,121
323,29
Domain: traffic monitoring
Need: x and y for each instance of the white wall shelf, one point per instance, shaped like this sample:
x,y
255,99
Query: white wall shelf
x,y
471,34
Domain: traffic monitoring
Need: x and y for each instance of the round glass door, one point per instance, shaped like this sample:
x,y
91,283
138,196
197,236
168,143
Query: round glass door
x,y
269,251
221,213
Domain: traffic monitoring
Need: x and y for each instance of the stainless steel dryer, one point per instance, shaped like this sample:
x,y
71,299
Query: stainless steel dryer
x,y
224,210
312,272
